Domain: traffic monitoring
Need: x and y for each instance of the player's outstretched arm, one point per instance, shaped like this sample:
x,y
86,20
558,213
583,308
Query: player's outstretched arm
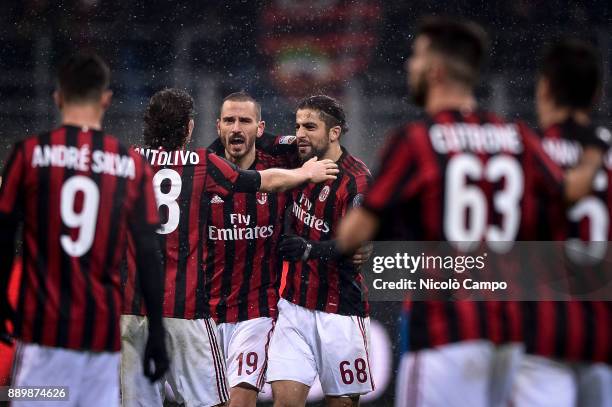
x,y
579,180
357,228
313,170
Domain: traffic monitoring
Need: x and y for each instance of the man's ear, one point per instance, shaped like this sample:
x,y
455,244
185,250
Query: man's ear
x,y
190,127
58,98
261,126
437,71
106,98
334,133
218,127
543,87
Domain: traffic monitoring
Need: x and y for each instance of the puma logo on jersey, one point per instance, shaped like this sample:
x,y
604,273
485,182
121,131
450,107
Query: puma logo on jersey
x,y
216,200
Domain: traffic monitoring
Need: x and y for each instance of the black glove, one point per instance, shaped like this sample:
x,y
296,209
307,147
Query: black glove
x,y
6,314
155,362
293,247
297,248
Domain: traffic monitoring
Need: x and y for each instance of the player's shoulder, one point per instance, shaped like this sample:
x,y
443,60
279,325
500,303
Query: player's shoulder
x,y
411,129
529,137
354,166
523,128
38,138
403,139
267,160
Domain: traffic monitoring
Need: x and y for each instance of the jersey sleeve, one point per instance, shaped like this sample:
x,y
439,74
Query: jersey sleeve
x,y
356,191
283,148
396,178
547,175
11,185
224,178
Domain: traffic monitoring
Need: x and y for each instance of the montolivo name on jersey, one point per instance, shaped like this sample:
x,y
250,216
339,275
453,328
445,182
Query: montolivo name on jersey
x,y
161,157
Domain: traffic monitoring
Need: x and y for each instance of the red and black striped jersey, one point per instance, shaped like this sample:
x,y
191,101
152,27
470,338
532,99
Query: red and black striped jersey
x,y
574,330
461,177
330,286
240,256
77,191
184,182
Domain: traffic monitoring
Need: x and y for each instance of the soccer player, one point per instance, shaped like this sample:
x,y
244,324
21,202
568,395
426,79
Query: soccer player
x,y
323,324
187,184
240,256
77,191
434,173
560,332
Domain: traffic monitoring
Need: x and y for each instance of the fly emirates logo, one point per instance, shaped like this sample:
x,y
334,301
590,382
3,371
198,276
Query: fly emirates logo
x,y
240,229
300,211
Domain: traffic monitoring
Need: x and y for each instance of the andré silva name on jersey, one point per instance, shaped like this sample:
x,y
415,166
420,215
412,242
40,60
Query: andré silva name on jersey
x,y
83,159
241,228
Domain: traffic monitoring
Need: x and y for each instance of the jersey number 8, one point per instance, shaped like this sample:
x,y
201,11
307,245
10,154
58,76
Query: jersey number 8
x,y
168,199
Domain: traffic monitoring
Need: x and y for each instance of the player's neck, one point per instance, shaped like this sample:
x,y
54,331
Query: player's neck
x,y
243,162
333,152
451,97
89,116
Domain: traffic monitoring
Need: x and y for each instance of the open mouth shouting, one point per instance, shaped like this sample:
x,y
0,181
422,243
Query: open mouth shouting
x,y
237,141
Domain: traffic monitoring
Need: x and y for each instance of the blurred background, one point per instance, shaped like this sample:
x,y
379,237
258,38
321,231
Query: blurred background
x,y
279,51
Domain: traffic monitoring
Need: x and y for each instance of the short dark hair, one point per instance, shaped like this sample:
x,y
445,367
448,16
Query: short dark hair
x,y
330,111
463,43
83,77
242,96
573,70
166,119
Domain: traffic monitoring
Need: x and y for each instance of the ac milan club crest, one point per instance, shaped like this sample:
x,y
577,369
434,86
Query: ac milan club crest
x,y
324,193
262,198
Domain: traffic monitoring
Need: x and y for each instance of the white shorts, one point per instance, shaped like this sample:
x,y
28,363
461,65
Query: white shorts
x,y
197,369
595,385
472,373
544,382
307,342
245,346
92,378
